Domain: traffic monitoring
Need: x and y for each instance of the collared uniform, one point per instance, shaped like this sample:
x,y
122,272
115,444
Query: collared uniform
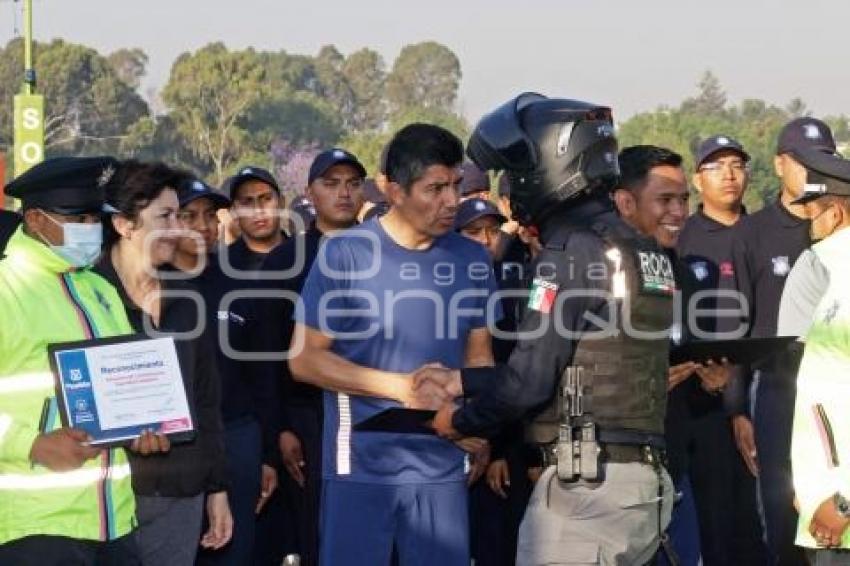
x,y
724,491
42,301
766,246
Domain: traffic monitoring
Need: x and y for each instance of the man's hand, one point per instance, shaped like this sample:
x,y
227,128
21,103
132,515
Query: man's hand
x,y
268,483
149,443
442,422
293,456
499,477
479,459
63,449
828,525
714,377
745,439
448,379
220,519
679,373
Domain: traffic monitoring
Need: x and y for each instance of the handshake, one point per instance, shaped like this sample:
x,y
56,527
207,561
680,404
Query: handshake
x,y
432,387
435,387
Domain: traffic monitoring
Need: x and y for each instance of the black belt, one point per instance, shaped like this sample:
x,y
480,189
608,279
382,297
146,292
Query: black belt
x,y
628,453
614,453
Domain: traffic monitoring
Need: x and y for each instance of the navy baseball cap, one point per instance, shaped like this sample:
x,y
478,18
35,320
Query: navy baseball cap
x,y
192,189
805,133
331,157
717,143
472,209
826,174
247,173
474,179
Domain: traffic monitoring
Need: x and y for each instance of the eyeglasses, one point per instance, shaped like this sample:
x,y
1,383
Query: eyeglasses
x,y
718,168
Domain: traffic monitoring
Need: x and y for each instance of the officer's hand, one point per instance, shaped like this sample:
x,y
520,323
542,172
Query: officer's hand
x,y
436,374
479,459
499,477
220,520
63,449
828,525
679,373
150,442
745,439
714,377
442,422
268,483
292,455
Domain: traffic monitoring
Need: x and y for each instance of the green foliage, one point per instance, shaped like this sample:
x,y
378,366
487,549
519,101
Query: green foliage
x,y
88,107
426,75
754,123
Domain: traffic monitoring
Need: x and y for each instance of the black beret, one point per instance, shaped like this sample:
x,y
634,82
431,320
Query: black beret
x,y
67,185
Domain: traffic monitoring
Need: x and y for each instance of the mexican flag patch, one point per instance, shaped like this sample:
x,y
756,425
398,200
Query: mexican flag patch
x,y
542,295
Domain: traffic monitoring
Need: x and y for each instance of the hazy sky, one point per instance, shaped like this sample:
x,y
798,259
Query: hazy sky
x,y
631,54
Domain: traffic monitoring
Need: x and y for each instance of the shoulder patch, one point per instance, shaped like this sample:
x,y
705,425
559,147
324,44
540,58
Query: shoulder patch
x,y
542,295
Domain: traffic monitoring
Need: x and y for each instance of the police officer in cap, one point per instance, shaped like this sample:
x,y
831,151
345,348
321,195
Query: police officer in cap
x,y
64,501
590,366
819,447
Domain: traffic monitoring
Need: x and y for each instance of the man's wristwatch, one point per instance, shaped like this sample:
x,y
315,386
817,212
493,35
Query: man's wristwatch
x,y
842,505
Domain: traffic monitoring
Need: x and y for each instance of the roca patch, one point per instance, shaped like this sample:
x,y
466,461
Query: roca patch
x,y
656,273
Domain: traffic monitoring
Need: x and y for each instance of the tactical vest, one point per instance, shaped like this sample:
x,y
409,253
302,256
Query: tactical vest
x,y
623,376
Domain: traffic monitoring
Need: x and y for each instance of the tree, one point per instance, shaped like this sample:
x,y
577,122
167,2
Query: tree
x,y
711,98
364,71
425,75
129,65
208,93
88,108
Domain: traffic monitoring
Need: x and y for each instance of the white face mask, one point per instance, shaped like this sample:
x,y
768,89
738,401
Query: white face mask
x,y
82,242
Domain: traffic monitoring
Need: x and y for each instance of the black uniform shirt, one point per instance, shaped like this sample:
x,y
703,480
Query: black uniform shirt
x,y
276,315
528,380
705,246
244,258
246,390
765,246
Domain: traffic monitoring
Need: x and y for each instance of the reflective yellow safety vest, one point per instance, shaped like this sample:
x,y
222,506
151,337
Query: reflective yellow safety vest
x,y
820,441
42,300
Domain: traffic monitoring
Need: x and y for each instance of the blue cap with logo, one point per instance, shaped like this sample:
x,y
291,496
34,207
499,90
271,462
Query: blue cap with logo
x,y
715,144
247,173
805,133
472,209
331,157
192,189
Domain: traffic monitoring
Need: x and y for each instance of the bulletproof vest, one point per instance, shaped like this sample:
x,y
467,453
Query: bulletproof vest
x,y
622,376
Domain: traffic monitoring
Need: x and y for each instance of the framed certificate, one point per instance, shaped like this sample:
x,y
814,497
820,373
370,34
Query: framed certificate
x,y
114,388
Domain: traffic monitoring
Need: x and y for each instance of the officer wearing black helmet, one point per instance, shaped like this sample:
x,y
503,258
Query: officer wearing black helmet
x,y
590,365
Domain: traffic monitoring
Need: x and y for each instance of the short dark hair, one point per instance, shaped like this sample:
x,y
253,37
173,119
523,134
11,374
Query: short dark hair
x,y
638,160
133,187
416,147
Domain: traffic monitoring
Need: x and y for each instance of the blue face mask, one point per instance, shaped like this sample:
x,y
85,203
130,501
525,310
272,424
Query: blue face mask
x,y
82,242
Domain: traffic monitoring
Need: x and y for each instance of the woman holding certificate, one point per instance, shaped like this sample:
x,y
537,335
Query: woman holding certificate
x,y
140,239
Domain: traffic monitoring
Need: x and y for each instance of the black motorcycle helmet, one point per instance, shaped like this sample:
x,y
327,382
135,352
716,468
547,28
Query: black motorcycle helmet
x,y
552,150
